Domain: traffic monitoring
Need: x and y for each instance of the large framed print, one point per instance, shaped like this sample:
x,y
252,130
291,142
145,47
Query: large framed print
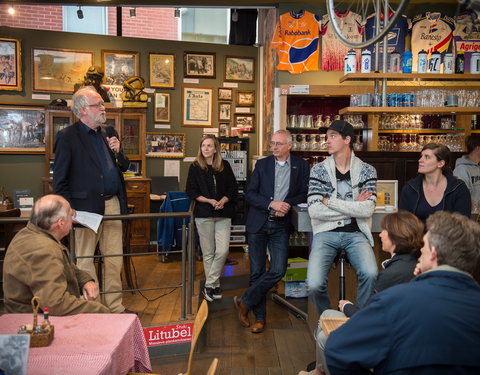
x,y
197,106
22,130
199,65
58,70
387,195
162,70
162,107
120,66
239,69
165,145
10,64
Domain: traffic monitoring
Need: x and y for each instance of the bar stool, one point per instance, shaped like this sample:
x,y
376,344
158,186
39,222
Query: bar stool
x,y
341,259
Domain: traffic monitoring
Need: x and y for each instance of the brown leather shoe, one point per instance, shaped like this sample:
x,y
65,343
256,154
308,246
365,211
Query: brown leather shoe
x,y
242,312
258,326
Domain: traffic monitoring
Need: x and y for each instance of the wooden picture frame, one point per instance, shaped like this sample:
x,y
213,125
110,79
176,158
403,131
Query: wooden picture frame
x,y
165,145
387,195
162,107
223,130
245,98
22,130
245,122
239,69
197,106
225,94
119,66
199,65
58,70
10,64
224,112
162,70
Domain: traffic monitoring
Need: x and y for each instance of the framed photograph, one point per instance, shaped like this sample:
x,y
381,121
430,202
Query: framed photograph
x,y
239,69
246,98
225,94
224,111
120,66
22,130
162,70
165,145
199,65
223,130
197,106
245,122
10,65
162,107
58,70
387,195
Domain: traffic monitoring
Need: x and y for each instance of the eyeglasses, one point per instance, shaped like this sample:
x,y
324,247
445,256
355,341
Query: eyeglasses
x,y
102,104
278,144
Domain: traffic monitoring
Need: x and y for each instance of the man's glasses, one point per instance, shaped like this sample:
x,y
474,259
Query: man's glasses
x,y
278,144
102,104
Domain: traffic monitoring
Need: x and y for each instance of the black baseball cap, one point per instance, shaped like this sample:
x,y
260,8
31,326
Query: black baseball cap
x,y
343,127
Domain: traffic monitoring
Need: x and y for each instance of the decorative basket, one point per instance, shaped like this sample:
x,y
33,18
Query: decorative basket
x,y
39,336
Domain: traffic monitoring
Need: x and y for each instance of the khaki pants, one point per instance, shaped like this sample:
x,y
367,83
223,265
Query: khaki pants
x,y
109,237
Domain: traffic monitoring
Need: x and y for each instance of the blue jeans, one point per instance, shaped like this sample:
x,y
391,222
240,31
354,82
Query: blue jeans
x,y
325,247
273,234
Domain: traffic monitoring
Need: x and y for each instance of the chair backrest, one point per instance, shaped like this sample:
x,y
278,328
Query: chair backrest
x,y
163,184
213,367
200,320
8,228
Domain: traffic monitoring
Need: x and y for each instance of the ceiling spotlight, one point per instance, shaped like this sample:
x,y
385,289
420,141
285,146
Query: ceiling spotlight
x,y
133,13
11,10
80,13
177,13
234,16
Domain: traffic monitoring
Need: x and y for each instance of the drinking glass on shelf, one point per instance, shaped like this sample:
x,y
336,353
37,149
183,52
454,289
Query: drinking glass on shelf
x,y
301,121
308,121
293,123
318,121
327,122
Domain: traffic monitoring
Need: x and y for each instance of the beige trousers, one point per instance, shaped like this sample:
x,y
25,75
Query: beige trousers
x,y
109,237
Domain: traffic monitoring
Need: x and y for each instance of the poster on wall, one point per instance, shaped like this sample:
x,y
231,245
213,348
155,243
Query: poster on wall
x,y
10,65
197,106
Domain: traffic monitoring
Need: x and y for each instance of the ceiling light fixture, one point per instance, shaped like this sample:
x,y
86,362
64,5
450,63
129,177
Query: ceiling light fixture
x,y
133,13
177,13
80,13
11,10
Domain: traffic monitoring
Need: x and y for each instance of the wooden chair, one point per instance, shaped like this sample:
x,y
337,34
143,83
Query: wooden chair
x,y
7,230
213,367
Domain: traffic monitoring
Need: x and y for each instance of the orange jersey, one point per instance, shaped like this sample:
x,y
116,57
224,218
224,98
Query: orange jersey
x,y
296,42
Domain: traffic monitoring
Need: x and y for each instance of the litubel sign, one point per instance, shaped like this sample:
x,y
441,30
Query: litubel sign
x,y
166,335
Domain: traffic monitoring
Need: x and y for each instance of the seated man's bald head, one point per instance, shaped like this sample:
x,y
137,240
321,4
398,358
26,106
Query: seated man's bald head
x,y
49,209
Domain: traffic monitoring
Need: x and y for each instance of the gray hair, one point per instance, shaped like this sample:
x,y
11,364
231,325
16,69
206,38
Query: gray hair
x,y
286,133
79,99
47,210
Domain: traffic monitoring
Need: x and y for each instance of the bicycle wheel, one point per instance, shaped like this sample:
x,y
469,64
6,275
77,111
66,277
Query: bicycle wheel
x,y
363,8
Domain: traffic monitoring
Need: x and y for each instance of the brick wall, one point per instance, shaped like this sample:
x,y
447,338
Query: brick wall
x,y
153,23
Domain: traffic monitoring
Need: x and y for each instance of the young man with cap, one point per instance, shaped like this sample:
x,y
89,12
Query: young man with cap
x,y
341,200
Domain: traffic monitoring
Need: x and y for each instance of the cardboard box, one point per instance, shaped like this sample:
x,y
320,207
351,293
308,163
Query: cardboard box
x,y
296,270
295,289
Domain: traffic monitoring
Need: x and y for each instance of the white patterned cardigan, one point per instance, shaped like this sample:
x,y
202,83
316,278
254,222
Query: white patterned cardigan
x,y
323,184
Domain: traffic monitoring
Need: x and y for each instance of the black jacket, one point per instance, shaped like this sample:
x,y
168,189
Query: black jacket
x,y
456,197
77,174
201,183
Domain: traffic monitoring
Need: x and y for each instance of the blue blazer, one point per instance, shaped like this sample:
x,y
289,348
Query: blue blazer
x,y
261,188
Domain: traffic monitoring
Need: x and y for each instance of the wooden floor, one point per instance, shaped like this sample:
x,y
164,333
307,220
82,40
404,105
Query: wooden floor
x,y
285,347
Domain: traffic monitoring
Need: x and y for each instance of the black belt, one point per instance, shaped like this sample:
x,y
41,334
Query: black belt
x,y
276,218
108,197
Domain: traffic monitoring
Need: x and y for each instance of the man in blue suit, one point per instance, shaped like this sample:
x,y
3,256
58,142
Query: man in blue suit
x,y
278,182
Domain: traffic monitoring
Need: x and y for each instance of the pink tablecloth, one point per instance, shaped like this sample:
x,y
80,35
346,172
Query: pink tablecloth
x,y
86,344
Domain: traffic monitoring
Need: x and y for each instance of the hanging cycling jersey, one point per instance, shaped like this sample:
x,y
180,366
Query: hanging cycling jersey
x,y
431,31
333,50
296,41
396,35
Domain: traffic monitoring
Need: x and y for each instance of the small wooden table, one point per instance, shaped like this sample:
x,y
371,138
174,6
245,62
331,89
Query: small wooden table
x,y
330,324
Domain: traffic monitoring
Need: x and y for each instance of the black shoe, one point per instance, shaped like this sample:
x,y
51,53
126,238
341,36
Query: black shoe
x,y
217,293
208,294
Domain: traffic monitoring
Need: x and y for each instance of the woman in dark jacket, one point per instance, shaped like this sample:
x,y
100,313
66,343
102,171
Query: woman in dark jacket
x,y
435,188
212,184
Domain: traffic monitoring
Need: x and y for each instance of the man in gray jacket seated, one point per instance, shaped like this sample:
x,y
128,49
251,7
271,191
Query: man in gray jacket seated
x,y
341,201
37,264
467,169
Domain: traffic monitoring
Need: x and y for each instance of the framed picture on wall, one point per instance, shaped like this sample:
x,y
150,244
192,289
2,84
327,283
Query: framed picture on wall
x,y
197,106
165,145
162,107
58,70
162,70
199,65
245,122
224,112
10,64
239,69
22,130
245,98
224,94
118,66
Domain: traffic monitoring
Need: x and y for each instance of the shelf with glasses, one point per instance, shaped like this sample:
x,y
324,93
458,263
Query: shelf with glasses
x,y
324,128
409,77
420,131
409,110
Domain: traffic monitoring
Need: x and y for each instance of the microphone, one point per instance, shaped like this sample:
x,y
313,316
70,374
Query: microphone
x,y
110,132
